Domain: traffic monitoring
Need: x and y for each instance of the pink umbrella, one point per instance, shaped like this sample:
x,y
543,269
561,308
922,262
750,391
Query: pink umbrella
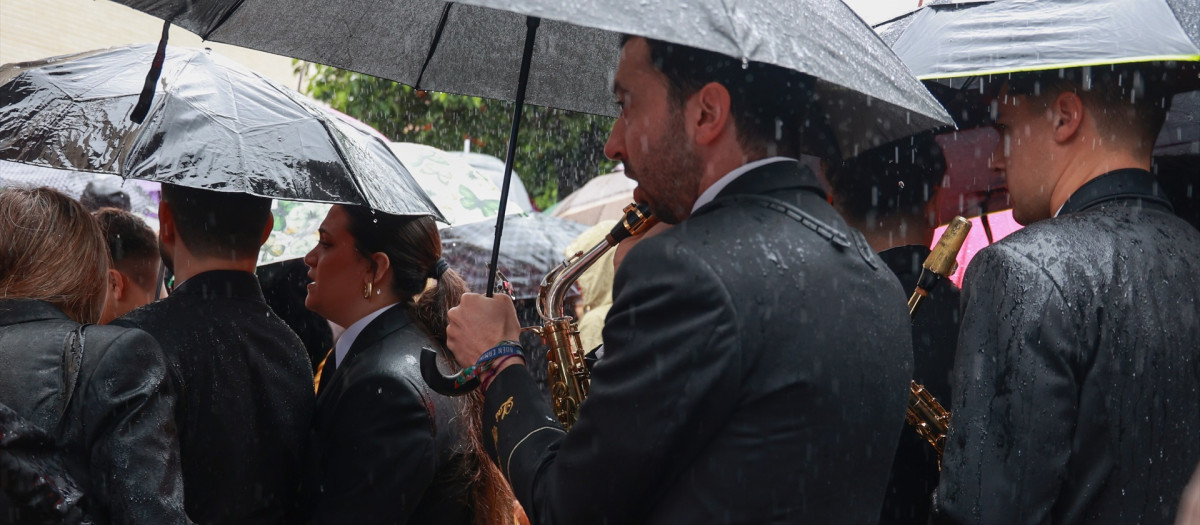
x,y
1001,224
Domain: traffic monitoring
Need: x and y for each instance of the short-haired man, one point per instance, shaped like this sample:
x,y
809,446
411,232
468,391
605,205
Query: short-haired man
x,y
1075,397
246,395
133,277
756,362
887,193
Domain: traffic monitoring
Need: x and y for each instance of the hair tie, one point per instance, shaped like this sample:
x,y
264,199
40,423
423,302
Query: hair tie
x,y
439,268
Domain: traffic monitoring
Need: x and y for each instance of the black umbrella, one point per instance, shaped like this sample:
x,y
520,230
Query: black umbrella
x,y
212,124
533,245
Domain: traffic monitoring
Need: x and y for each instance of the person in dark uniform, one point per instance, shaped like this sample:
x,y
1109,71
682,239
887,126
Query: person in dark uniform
x,y
886,193
245,383
101,393
756,362
1075,396
386,449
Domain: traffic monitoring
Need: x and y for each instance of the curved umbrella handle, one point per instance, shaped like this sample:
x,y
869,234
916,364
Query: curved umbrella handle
x,y
453,385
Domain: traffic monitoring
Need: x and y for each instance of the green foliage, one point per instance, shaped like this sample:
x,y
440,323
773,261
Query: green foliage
x,y
557,150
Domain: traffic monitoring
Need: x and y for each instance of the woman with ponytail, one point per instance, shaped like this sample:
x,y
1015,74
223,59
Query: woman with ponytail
x,y
386,449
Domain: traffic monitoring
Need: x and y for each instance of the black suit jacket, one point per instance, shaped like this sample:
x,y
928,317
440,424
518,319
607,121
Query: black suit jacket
x,y
914,473
386,448
117,432
246,397
1075,383
754,372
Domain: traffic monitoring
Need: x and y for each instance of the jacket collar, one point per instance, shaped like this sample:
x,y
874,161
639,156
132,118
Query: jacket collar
x,y
1129,184
774,177
390,321
15,311
222,284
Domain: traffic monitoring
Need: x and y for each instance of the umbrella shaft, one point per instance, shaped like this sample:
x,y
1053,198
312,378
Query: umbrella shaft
x,y
531,24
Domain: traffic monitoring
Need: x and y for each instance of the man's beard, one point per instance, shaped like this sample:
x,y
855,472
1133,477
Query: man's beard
x,y
676,170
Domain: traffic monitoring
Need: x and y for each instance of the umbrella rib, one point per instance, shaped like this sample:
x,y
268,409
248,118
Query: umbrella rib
x,y
737,39
224,18
437,39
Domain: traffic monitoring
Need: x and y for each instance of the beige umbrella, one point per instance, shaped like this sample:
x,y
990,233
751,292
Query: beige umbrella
x,y
602,198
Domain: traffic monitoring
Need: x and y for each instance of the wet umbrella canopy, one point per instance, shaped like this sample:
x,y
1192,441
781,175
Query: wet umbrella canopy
x,y
979,38
952,45
212,124
475,48
533,246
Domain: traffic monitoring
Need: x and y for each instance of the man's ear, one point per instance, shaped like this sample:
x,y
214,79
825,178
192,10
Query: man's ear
x,y
166,223
709,112
1067,112
267,231
116,284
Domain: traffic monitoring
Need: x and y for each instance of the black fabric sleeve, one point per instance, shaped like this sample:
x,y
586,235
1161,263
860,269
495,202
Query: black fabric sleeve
x,y
1015,392
129,427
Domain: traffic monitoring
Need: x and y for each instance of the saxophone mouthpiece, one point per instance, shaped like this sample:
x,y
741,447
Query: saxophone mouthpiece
x,y
941,259
636,221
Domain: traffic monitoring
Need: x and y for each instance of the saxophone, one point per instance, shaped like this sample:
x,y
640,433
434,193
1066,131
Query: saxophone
x,y
930,419
568,375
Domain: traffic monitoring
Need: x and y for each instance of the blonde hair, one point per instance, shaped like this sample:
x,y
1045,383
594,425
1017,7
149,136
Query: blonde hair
x,y
51,249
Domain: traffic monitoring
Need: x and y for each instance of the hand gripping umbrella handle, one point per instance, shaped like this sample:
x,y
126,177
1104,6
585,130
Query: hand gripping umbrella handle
x,y
458,383
452,385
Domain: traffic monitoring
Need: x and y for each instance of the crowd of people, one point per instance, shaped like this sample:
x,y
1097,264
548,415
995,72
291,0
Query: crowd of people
x,y
756,354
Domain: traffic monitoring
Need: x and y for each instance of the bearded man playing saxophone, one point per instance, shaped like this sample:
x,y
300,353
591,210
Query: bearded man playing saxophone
x,y
755,372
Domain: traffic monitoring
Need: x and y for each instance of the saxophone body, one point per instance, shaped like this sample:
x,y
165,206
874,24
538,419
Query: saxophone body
x,y
568,374
925,414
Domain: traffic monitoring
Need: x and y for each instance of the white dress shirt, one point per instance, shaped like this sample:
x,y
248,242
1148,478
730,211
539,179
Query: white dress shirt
x,y
347,339
711,193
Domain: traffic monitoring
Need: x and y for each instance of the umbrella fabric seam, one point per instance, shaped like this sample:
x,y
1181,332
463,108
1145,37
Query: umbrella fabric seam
x,y
1064,65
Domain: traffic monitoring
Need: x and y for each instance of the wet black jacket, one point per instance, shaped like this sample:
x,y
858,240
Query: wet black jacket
x,y
1075,386
117,433
935,333
246,397
754,372
387,450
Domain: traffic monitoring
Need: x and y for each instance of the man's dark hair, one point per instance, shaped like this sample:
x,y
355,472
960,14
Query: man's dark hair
x,y
896,179
769,104
131,244
227,225
1129,102
104,194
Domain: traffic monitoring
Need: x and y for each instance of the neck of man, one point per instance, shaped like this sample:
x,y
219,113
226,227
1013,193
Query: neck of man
x,y
188,265
1088,163
727,159
888,232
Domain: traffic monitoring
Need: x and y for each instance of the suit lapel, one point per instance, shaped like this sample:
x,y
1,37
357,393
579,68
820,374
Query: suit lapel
x,y
393,320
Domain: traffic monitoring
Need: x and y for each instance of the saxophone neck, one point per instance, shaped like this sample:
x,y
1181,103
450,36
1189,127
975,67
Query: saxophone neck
x,y
553,291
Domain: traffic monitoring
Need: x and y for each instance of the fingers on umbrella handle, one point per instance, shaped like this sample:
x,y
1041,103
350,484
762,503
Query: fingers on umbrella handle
x,y
453,385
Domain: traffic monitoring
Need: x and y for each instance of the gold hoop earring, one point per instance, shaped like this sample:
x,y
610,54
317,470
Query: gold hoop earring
x,y
367,290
